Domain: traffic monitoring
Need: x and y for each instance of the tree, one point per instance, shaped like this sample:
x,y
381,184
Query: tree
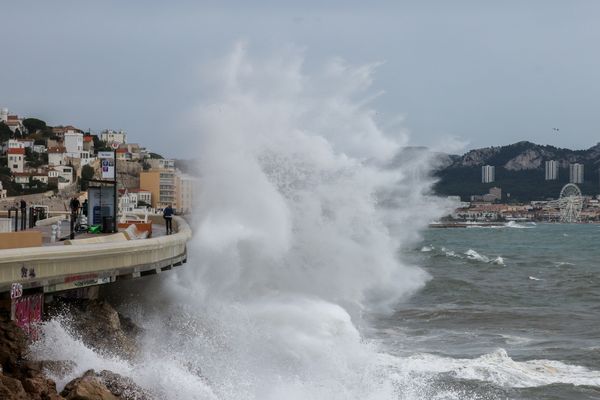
x,y
100,145
33,125
87,173
155,156
5,132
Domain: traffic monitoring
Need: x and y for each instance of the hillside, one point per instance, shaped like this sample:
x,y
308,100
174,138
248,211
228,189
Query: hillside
x,y
519,171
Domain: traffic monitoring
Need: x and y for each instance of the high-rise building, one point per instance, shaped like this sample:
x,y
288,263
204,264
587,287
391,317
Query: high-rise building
x,y
576,173
488,174
551,170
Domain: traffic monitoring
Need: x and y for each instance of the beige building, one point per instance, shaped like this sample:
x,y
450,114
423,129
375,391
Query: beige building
x,y
161,184
184,189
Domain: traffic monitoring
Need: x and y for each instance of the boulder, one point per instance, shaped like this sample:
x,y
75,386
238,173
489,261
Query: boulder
x,y
88,387
18,377
100,326
104,385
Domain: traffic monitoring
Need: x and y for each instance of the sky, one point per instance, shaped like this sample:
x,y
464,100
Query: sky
x,y
482,72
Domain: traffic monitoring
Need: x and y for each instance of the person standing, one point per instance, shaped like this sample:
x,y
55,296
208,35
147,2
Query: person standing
x,y
23,205
74,206
168,216
84,208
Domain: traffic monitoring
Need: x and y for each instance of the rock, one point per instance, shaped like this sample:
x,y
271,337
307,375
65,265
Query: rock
x,y
103,386
88,387
13,345
122,386
20,379
100,326
11,389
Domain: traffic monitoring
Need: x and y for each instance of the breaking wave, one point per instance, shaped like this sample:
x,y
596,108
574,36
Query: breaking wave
x,y
498,368
302,208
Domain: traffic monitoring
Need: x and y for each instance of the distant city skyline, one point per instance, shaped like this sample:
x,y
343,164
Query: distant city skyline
x,y
483,73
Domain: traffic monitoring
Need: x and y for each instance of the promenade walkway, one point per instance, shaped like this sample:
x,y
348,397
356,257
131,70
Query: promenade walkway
x,y
59,267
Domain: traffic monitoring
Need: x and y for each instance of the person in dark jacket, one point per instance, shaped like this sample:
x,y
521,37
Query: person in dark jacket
x,y
74,205
23,205
84,208
168,216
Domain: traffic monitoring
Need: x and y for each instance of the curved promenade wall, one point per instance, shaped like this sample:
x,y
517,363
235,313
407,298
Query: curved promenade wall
x,y
62,267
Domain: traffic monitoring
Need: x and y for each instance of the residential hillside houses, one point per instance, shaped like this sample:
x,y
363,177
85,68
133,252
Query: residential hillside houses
x,y
110,136
56,158
13,122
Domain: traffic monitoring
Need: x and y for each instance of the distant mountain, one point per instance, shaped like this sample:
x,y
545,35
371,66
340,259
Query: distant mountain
x,y
519,171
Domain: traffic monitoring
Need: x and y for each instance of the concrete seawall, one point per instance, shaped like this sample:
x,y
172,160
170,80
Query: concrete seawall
x,y
60,268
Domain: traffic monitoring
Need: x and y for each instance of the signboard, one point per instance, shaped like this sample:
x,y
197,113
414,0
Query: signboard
x,y
78,281
107,163
108,168
101,203
114,145
106,154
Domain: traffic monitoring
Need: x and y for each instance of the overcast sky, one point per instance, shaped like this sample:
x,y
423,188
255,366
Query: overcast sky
x,y
485,72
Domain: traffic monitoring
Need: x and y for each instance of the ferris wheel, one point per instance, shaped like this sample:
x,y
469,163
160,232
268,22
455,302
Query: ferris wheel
x,y
570,203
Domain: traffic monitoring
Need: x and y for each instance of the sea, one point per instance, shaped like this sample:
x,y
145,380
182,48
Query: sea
x,y
509,312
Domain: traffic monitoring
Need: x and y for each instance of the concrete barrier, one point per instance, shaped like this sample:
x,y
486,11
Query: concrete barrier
x,y
23,239
65,267
51,220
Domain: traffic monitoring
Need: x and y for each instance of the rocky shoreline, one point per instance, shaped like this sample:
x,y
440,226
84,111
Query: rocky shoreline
x,y
100,327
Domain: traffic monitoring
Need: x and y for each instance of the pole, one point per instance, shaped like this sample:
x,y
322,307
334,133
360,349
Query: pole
x,y
115,195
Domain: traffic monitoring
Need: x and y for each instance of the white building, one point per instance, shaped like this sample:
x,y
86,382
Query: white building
x,y
22,179
16,159
63,176
162,163
110,136
73,142
130,200
576,173
551,170
15,144
86,158
56,156
39,148
4,114
488,174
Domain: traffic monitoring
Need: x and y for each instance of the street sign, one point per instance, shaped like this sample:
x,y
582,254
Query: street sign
x,y
106,154
114,145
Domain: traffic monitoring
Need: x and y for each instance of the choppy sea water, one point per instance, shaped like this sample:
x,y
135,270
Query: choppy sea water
x,y
510,312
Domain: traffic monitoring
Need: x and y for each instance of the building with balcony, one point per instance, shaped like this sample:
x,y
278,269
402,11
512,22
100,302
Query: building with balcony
x,y
161,184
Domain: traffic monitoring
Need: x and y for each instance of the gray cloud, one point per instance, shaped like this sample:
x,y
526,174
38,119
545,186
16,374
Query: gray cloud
x,y
486,72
